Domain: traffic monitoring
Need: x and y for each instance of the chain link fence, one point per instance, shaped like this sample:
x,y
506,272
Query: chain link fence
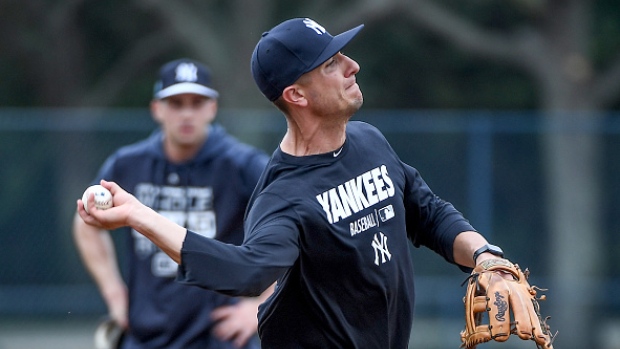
x,y
488,164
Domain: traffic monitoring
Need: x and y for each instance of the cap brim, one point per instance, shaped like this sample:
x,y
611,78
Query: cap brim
x,y
187,87
335,46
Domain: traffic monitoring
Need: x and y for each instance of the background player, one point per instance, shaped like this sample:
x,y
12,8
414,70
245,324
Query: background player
x,y
196,175
331,218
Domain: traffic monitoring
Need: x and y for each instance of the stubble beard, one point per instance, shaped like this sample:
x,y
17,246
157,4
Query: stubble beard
x,y
355,105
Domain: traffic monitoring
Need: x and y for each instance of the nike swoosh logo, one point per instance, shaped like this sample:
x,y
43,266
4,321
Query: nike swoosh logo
x,y
336,153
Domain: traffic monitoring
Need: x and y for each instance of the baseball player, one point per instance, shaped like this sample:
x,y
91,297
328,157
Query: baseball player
x,y
196,175
332,216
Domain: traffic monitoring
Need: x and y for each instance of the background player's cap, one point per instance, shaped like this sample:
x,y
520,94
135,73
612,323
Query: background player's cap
x,y
184,76
291,49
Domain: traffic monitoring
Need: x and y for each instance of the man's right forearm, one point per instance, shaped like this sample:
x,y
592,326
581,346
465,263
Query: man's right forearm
x,y
129,211
164,233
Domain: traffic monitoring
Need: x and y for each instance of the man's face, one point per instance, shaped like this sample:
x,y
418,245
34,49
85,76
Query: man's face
x,y
332,87
184,117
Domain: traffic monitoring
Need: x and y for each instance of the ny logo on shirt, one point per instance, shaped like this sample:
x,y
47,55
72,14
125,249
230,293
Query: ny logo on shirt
x,y
379,243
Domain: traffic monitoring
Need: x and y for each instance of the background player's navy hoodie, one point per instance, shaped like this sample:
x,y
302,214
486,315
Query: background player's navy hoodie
x,y
208,195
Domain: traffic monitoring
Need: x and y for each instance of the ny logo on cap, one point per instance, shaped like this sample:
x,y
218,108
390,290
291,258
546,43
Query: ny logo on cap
x,y
186,72
314,26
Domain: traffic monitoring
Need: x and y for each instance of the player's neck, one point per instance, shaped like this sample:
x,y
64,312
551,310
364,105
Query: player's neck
x,y
312,138
180,153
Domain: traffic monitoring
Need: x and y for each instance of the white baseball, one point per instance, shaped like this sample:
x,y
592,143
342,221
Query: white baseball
x,y
103,197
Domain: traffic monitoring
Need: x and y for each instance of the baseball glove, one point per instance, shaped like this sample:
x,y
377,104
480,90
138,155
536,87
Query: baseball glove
x,y
108,334
496,290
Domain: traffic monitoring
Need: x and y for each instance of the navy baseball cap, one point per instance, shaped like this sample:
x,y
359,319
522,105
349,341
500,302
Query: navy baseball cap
x,y
291,49
184,76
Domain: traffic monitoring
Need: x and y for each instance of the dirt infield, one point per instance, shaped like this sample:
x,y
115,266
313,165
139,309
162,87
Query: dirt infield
x,y
77,333
65,333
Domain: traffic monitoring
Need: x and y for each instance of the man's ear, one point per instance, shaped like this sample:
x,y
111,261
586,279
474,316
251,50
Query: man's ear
x,y
295,94
212,105
155,111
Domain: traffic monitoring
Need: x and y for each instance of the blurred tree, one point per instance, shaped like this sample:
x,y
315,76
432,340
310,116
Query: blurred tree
x,y
89,53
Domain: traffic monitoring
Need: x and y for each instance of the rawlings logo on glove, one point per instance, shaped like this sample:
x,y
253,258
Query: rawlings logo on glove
x,y
496,288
